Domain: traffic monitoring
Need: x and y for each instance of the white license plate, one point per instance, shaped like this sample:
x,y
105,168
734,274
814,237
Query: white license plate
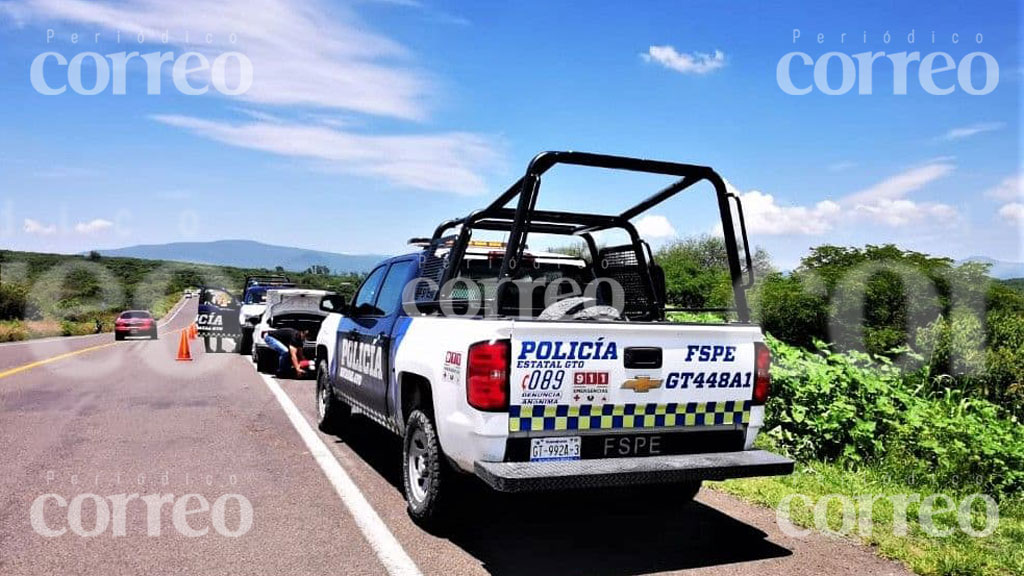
x,y
560,448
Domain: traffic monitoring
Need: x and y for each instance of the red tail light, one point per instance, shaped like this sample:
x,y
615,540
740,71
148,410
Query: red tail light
x,y
487,375
762,372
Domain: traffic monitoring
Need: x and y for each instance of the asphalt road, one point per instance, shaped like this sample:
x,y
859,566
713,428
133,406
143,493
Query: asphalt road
x,y
103,420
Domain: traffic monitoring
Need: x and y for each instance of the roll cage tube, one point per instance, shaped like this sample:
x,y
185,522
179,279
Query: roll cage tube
x,y
526,218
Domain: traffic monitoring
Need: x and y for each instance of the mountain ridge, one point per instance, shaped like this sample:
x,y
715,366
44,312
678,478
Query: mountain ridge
x,y
248,254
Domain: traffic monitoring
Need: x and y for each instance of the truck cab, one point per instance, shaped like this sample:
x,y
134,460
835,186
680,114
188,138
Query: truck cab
x,y
253,303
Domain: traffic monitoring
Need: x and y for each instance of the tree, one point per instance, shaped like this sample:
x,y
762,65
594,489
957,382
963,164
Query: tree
x,y
880,294
697,271
318,270
789,310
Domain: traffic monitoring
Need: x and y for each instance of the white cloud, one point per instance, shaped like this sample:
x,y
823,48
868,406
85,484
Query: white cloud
x,y
1013,213
899,185
446,162
764,216
316,62
972,130
841,166
692,63
93,226
38,228
303,52
655,226
1011,188
901,212
884,203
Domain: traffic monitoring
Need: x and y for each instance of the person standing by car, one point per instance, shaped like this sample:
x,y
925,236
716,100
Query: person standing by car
x,y
287,342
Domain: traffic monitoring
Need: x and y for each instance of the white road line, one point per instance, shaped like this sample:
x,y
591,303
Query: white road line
x,y
396,561
181,306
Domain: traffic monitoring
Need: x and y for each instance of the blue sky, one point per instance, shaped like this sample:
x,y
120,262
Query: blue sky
x,y
368,122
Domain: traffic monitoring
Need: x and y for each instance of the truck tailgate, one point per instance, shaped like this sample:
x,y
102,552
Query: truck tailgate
x,y
565,380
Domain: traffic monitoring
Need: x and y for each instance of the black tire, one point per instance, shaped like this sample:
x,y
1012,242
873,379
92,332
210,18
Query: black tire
x,y
265,363
332,414
427,483
245,344
206,344
153,335
118,337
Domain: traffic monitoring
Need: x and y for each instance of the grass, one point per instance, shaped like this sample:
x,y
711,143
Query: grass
x,y
17,330
1000,553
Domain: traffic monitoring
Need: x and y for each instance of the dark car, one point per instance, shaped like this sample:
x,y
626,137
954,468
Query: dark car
x,y
135,323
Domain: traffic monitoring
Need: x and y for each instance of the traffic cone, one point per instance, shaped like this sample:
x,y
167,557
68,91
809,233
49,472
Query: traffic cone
x,y
192,331
184,354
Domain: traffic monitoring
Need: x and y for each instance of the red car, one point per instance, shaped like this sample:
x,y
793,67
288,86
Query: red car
x,y
135,323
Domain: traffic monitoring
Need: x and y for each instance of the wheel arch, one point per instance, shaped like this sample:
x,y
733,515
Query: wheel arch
x,y
414,391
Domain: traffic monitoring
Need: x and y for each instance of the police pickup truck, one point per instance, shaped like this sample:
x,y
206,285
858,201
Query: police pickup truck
x,y
538,370
253,304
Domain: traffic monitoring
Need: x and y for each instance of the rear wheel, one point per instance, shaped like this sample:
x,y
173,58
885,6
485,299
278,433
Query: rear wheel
x,y
153,335
118,336
426,474
265,361
332,414
206,344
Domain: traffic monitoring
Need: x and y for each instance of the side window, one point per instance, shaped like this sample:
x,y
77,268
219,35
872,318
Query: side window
x,y
362,304
390,299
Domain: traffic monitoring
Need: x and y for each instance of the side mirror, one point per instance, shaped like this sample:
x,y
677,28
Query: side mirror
x,y
333,303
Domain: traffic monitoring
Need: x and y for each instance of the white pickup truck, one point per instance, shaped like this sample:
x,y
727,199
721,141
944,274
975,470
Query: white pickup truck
x,y
493,360
298,308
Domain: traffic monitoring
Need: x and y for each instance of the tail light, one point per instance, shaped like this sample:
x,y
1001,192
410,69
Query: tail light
x,y
487,375
762,372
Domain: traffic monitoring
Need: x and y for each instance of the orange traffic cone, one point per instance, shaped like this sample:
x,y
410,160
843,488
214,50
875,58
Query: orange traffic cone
x,y
184,354
192,331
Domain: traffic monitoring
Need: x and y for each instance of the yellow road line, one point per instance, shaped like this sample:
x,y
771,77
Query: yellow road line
x,y
31,365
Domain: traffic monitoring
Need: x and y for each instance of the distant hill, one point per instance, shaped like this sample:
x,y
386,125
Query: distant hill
x,y
999,268
248,254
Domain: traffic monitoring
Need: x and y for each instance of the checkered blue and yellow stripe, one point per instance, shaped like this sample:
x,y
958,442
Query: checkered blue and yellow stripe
x,y
626,416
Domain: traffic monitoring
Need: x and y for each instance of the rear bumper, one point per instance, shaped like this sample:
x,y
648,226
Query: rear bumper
x,y
134,329
535,476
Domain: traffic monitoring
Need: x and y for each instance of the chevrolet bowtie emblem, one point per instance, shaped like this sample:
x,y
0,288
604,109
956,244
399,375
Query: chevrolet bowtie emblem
x,y
641,384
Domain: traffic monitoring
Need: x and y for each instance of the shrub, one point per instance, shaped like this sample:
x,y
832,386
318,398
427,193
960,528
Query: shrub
x,y
785,308
853,407
13,301
11,331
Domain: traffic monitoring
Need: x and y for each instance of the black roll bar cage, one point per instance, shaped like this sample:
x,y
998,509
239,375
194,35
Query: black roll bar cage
x,y
525,218
267,279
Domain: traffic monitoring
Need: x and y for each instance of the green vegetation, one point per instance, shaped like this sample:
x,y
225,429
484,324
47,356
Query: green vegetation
x,y
959,553
854,408
909,307
54,294
894,372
